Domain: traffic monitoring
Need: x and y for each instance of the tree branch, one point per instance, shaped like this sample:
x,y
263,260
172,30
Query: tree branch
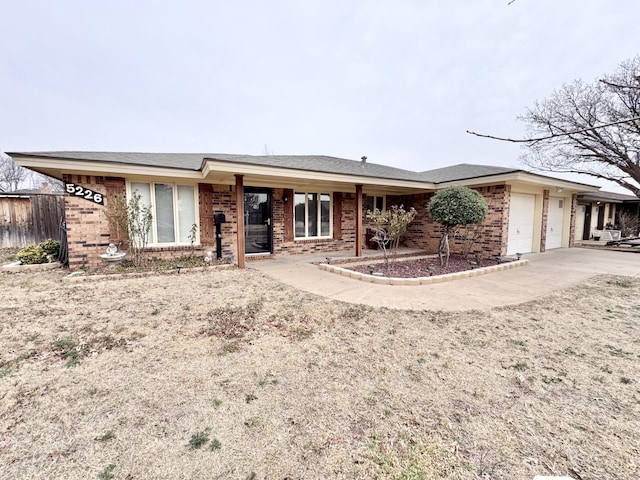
x,y
553,135
617,85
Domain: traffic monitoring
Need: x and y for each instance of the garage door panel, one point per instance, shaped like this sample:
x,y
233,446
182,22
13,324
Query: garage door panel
x,y
521,222
555,219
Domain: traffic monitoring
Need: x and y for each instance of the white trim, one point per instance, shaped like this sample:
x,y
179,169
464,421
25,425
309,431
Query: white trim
x,y
279,175
318,215
521,176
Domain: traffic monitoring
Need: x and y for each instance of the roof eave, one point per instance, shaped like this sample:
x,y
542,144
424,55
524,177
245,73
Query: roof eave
x,y
213,166
522,176
60,165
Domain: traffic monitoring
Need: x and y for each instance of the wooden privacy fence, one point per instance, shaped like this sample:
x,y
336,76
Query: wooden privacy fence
x,y
29,219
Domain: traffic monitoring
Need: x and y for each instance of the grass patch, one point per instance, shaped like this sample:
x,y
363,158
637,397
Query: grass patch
x,y
73,351
250,397
268,380
232,322
520,366
199,439
106,437
351,401
252,422
621,282
411,456
107,473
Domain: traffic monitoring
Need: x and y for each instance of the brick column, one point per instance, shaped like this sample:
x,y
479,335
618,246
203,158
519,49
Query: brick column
x,y
545,216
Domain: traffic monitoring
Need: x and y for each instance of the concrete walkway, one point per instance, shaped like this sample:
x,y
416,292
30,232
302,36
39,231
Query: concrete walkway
x,y
546,273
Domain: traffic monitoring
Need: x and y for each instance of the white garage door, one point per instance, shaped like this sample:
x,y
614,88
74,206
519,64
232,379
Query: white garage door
x,y
521,215
555,218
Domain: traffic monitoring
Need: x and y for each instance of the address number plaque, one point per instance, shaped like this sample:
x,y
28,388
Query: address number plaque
x,y
86,193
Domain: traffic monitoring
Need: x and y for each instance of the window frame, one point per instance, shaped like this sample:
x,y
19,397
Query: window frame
x,y
319,194
375,202
153,233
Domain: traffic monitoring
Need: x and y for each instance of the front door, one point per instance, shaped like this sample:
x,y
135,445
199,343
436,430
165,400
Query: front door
x,y
257,221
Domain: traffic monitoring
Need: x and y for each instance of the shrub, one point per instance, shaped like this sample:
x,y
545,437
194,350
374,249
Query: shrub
x,y
389,226
453,206
32,255
51,247
35,254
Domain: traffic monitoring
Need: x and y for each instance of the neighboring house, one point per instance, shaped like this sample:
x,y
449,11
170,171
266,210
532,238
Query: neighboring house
x,y
29,217
284,205
598,212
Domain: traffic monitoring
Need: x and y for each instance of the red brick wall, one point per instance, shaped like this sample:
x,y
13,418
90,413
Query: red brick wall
x,y
344,228
88,228
424,233
88,233
224,201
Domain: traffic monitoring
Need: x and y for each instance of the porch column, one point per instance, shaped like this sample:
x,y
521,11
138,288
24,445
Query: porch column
x,y
240,218
358,220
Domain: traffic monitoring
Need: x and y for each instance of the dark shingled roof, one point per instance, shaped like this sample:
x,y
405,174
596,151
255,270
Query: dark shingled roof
x,y
463,171
317,163
187,161
611,197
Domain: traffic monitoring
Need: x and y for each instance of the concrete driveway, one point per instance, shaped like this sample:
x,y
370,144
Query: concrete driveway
x,y
546,273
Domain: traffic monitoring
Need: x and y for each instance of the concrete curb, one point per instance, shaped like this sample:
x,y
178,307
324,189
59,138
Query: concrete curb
x,y
18,267
449,277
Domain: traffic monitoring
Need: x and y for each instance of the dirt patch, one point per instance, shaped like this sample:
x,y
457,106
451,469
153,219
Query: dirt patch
x,y
420,267
228,374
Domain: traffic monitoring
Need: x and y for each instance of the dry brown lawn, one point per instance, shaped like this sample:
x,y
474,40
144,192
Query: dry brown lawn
x,y
226,374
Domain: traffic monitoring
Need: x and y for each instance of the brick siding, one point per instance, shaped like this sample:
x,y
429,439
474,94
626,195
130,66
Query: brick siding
x,y
424,233
89,235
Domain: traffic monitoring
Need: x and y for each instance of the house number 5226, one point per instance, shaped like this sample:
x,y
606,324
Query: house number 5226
x,y
87,194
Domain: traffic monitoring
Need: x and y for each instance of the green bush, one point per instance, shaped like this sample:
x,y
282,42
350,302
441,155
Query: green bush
x,y
32,255
51,247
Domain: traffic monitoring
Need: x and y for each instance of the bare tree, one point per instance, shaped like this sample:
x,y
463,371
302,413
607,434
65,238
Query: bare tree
x,y
49,184
12,175
588,128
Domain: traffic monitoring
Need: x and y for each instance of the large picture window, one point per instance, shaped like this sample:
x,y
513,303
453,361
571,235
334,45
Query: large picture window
x,y
312,213
173,208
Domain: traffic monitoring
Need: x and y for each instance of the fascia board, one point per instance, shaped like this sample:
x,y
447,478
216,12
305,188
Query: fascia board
x,y
103,168
522,177
213,167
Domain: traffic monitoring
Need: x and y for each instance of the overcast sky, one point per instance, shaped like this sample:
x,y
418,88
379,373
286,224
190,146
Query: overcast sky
x,y
398,81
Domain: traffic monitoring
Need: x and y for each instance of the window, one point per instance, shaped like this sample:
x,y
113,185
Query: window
x,y
374,202
312,215
173,208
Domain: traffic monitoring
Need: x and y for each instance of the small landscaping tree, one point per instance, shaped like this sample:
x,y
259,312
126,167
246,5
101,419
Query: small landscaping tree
x,y
629,224
452,207
388,227
132,220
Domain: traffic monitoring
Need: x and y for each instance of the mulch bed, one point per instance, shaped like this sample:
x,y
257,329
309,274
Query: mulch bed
x,y
420,267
